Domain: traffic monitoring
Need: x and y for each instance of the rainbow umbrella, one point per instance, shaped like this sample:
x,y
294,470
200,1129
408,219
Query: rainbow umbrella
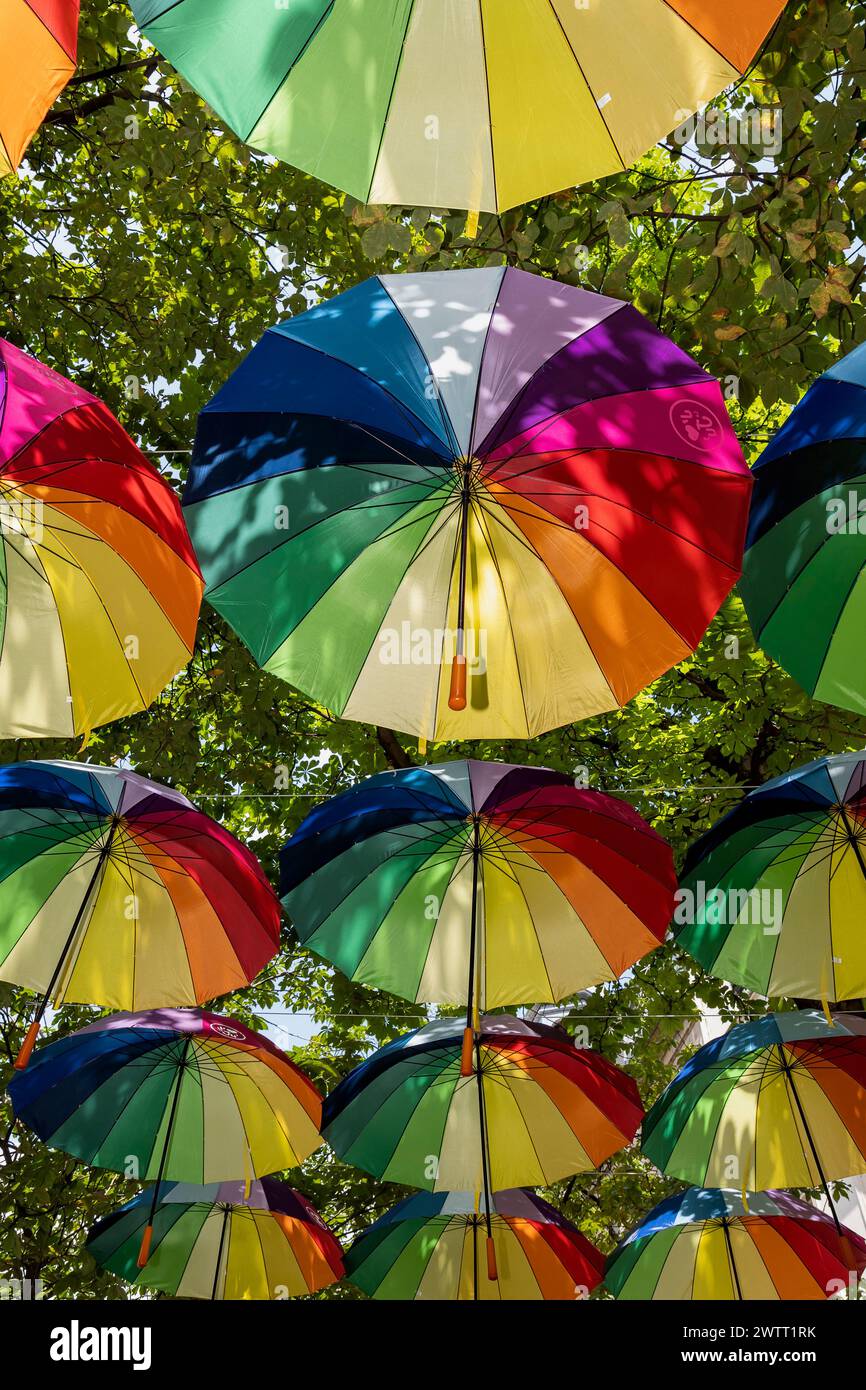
x,y
430,1246
804,573
774,896
534,1109
477,882
99,585
468,504
710,1244
38,46
776,1102
116,891
187,1095
526,96
221,1242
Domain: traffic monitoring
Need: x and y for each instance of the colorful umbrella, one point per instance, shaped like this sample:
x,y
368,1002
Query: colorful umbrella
x,y
183,1094
529,506
710,1244
38,46
804,574
100,589
222,1242
774,896
478,883
430,1247
535,1108
457,103
776,1102
116,891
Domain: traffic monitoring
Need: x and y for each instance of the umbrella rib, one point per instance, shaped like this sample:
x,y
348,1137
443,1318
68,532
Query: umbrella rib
x,y
403,408
459,864
353,888
443,413
771,612
154,1062
664,527
522,540
586,83
491,550
387,535
83,571
540,427
483,33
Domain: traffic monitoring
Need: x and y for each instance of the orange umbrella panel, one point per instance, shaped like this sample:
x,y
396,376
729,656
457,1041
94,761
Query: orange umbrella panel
x,y
38,44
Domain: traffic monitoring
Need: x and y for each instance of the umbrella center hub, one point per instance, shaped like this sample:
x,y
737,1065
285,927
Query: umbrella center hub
x,y
467,472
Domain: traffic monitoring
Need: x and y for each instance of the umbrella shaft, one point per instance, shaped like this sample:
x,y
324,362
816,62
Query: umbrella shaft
x,y
482,1120
853,838
219,1258
473,927
465,501
169,1127
732,1261
801,1112
83,906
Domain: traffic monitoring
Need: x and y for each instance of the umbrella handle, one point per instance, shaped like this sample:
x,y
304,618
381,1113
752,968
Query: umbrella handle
x,y
492,1273
466,1052
457,693
27,1046
144,1251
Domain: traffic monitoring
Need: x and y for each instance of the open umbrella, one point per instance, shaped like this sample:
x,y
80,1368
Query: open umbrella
x,y
100,588
457,103
773,897
776,1102
38,46
221,1242
431,1246
710,1244
116,891
182,1094
804,573
534,1109
478,883
468,504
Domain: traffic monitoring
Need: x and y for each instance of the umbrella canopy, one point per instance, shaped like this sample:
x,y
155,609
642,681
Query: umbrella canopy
x,y
774,895
116,891
38,46
431,1246
222,1242
468,504
534,1109
101,590
804,574
781,1099
710,1244
188,1095
528,96
478,882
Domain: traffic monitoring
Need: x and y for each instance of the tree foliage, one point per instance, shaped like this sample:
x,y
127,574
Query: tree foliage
x,y
144,250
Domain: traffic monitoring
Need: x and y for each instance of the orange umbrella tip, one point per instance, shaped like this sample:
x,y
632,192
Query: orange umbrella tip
x,y
457,694
466,1053
27,1047
144,1251
492,1272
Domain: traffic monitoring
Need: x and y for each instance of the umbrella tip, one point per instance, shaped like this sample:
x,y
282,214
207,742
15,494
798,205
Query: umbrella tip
x,y
466,1052
27,1047
457,693
144,1251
